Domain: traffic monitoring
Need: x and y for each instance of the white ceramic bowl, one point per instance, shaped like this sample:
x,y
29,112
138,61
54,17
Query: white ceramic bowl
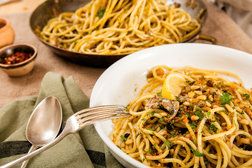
x,y
120,83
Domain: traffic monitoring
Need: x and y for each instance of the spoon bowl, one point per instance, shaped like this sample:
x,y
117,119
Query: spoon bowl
x,y
44,123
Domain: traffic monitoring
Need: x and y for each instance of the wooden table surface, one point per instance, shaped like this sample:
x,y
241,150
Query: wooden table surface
x,y
19,6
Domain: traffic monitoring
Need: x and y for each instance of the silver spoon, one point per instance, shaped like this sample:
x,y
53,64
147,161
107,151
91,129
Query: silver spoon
x,y
44,123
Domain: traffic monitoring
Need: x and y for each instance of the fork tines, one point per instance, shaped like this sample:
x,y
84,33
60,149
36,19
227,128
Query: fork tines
x,y
98,113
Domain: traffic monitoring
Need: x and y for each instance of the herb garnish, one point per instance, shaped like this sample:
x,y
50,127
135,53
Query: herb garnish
x,y
208,113
188,115
162,119
193,125
197,153
226,98
123,138
153,112
101,13
213,128
127,107
159,94
246,96
167,143
199,114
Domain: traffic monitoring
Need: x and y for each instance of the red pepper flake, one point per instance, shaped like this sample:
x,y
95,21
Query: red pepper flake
x,y
15,58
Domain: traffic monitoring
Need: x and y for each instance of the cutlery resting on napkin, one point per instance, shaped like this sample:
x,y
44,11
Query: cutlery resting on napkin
x,y
83,149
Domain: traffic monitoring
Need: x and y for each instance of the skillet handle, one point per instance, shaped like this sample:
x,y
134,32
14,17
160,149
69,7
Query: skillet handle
x,y
210,39
205,38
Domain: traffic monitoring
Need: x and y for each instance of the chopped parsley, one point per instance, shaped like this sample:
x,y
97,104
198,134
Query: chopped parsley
x,y
199,114
159,94
153,112
123,138
188,115
167,143
127,107
162,119
213,128
101,13
208,113
143,119
153,134
246,96
226,98
143,159
197,153
193,125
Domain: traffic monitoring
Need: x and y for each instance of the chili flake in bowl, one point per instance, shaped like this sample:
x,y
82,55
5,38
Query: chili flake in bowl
x,y
17,59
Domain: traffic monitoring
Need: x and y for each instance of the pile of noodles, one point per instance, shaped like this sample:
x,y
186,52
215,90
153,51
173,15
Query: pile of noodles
x,y
211,127
119,27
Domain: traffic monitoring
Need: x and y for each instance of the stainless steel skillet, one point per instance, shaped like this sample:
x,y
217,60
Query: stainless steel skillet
x,y
52,8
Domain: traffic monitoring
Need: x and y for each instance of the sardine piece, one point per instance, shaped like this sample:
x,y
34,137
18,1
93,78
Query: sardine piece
x,y
171,106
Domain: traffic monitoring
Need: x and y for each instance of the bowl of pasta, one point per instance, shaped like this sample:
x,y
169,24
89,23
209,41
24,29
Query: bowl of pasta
x,y
100,32
190,106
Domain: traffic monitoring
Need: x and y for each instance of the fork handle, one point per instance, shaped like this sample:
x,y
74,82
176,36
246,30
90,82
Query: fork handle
x,y
34,153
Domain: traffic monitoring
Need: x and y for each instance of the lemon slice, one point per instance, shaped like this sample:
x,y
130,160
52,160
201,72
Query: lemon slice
x,y
172,86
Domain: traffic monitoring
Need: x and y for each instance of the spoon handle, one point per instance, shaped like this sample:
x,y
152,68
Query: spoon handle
x,y
26,161
34,153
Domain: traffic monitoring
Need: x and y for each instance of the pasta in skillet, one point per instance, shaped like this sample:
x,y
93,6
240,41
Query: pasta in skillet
x,y
119,27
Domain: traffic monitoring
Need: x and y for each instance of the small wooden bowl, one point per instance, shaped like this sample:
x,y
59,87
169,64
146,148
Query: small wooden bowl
x,y
21,68
7,34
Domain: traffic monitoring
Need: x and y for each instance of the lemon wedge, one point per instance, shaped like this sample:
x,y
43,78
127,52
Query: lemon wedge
x,y
172,86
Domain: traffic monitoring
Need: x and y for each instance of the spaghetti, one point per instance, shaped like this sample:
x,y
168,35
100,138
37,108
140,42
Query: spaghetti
x,y
119,27
208,124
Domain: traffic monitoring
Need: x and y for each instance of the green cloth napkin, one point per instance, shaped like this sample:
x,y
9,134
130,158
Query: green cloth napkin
x,y
82,149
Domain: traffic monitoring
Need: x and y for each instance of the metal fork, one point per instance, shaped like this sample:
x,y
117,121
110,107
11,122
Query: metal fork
x,y
76,122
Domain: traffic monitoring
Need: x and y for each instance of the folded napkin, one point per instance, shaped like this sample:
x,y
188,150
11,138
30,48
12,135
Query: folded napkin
x,y
240,11
82,149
